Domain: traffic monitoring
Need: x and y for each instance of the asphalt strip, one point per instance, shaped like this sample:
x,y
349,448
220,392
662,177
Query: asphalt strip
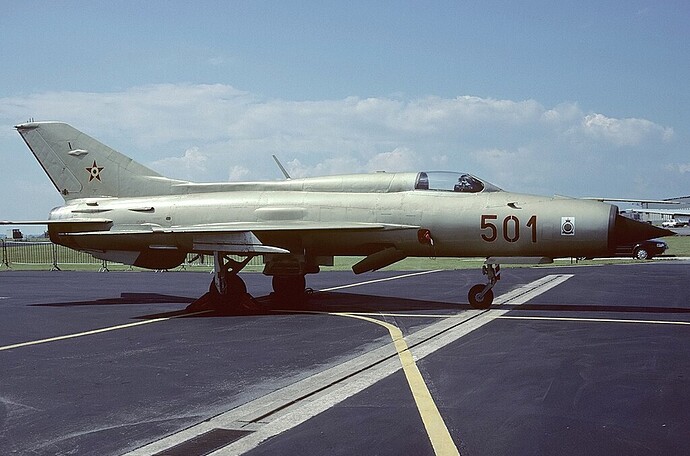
x,y
285,408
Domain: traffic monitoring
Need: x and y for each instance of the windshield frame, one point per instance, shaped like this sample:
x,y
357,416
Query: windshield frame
x,y
452,182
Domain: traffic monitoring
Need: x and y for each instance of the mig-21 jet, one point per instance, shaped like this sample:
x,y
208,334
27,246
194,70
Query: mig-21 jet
x,y
119,210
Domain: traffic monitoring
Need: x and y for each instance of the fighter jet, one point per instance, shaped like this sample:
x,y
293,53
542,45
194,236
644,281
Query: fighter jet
x,y
119,210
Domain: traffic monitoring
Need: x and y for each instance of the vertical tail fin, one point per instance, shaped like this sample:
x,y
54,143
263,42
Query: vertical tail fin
x,y
82,167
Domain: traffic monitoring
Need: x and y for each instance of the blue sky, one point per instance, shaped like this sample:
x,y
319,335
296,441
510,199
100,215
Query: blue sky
x,y
578,98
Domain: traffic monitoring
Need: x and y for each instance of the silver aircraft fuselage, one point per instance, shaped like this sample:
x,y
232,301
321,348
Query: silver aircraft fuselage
x,y
461,225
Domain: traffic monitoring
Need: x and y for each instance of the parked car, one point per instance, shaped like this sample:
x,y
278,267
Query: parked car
x,y
673,223
646,250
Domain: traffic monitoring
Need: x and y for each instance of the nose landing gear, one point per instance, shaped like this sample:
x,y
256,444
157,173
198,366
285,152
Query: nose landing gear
x,y
481,296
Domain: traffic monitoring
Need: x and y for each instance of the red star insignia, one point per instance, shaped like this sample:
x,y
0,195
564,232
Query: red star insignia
x,y
94,171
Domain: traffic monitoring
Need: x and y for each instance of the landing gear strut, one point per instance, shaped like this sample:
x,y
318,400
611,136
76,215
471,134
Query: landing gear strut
x,y
227,289
481,296
225,280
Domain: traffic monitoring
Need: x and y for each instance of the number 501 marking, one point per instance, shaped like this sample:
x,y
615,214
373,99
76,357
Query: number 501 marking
x,y
510,228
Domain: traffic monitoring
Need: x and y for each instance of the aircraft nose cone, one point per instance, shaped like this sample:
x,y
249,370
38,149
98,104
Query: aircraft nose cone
x,y
627,231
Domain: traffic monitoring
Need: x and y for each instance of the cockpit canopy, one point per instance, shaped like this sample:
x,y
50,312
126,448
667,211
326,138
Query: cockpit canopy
x,y
446,181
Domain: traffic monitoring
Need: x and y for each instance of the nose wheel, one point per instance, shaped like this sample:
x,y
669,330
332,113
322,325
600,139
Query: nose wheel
x,y
481,295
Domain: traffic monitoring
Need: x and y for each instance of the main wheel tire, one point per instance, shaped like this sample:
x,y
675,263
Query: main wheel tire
x,y
480,303
288,285
642,254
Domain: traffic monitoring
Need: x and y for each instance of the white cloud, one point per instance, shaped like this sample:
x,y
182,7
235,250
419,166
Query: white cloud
x,y
519,145
624,132
400,159
338,165
216,61
237,173
682,168
190,165
151,115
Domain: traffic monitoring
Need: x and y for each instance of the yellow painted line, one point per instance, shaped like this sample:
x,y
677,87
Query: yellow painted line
x,y
96,331
397,315
365,314
599,320
436,428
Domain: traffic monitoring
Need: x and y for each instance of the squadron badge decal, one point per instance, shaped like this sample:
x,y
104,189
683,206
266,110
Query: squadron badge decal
x,y
567,226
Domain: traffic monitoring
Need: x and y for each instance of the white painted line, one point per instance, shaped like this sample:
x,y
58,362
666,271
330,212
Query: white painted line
x,y
95,331
357,284
598,320
531,290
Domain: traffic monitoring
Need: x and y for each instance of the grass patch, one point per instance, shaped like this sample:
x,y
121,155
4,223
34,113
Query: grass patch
x,y
678,245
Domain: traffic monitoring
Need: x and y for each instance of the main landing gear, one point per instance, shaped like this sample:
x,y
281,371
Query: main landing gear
x,y
227,290
481,296
288,272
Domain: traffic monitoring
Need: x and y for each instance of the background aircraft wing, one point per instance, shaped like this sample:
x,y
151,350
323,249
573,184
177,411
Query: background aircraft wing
x,y
672,212
630,200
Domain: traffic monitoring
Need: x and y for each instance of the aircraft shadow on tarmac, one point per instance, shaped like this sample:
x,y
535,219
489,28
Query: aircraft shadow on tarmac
x,y
335,302
362,303
269,305
318,302
124,299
